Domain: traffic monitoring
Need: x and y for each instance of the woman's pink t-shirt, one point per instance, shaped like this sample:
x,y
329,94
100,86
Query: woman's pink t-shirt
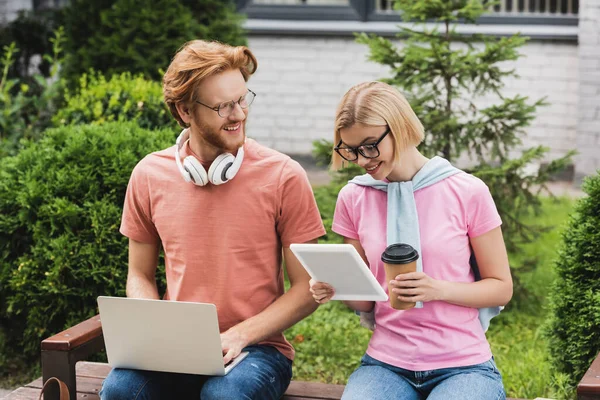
x,y
439,335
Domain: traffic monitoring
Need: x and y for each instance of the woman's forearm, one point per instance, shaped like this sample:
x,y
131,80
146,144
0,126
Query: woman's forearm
x,y
488,292
363,306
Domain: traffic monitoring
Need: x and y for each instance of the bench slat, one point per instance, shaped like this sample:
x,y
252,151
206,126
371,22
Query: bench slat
x,y
86,385
315,390
91,374
92,369
297,389
28,393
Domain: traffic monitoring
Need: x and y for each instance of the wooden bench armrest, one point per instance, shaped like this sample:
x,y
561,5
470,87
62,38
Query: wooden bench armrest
x,y
61,352
75,336
589,386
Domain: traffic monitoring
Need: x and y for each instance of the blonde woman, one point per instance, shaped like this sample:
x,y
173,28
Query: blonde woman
x,y
437,350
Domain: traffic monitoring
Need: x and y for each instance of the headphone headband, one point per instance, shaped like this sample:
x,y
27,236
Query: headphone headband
x,y
222,169
179,144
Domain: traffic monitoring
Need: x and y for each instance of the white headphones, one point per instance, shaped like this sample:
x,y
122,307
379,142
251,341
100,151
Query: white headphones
x,y
222,169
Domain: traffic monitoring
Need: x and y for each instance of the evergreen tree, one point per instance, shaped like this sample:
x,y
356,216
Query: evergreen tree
x,y
443,74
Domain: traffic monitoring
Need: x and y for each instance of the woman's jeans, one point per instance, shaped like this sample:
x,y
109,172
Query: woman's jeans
x,y
264,374
375,380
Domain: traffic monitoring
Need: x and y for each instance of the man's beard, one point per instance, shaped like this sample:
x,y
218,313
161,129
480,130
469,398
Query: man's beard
x,y
217,140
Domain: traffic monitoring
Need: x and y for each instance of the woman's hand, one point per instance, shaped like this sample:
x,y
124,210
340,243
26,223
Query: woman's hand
x,y
322,292
416,286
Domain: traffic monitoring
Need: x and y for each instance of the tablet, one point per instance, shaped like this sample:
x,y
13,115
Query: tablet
x,y
341,266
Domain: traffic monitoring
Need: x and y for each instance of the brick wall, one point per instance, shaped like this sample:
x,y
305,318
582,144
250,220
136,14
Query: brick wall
x,y
588,127
300,81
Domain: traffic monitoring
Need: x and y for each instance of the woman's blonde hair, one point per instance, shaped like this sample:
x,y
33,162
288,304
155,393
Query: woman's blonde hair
x,y
374,104
197,60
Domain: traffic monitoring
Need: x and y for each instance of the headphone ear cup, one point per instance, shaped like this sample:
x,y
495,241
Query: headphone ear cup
x,y
218,169
196,171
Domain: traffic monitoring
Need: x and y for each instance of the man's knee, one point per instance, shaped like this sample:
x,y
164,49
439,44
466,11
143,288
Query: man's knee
x,y
219,389
125,384
240,389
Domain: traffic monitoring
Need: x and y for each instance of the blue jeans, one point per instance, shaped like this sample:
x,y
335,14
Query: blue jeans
x,y
264,374
375,380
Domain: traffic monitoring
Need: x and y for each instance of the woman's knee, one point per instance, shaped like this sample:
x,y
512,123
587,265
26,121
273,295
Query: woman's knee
x,y
377,382
479,385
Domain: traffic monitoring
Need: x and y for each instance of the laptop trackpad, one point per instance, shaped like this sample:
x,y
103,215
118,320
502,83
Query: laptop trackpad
x,y
235,361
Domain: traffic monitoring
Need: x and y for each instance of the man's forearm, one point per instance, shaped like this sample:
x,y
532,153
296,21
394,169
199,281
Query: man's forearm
x,y
294,305
141,287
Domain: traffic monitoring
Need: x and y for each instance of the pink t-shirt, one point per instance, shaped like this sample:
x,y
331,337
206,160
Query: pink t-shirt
x,y
223,244
440,334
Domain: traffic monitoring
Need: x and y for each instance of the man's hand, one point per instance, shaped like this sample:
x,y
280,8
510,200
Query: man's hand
x,y
232,342
284,312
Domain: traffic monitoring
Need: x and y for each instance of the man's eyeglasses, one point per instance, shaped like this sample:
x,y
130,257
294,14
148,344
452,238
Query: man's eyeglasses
x,y
226,109
366,150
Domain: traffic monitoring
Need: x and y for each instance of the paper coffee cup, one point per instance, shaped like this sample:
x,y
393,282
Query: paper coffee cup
x,y
399,258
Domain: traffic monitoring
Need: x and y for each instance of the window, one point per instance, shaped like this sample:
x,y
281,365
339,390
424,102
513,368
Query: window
x,y
308,10
530,7
303,2
527,12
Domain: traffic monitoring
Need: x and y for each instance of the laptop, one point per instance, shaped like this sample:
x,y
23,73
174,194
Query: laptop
x,y
161,335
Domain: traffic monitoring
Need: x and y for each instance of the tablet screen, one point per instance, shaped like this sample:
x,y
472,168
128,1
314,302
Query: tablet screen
x,y
341,266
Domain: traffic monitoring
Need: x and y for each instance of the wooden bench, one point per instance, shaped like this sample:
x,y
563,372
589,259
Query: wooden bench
x,y
63,355
589,386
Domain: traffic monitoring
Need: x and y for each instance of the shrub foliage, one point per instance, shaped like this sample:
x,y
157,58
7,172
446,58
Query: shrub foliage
x,y
121,98
61,201
573,327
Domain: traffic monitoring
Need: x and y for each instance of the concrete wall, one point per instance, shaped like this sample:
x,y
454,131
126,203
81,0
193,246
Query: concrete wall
x,y
588,127
300,81
9,9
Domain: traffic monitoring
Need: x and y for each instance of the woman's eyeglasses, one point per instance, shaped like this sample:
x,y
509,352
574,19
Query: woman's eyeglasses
x,y
366,150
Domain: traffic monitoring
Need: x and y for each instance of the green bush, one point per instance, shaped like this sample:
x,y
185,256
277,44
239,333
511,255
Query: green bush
x,y
122,98
114,36
61,201
573,327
